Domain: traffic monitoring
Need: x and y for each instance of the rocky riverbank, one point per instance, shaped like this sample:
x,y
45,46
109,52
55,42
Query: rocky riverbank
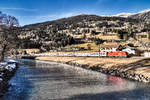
x,y
131,68
7,70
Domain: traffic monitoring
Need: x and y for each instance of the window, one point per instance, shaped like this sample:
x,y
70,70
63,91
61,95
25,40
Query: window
x,y
143,36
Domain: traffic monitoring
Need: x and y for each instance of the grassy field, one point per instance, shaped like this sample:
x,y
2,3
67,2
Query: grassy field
x,y
93,46
29,50
106,62
130,65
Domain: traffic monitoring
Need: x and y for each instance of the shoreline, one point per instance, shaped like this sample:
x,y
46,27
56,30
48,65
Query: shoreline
x,y
130,68
7,71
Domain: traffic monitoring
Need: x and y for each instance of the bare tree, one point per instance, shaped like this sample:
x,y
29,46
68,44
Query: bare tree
x,y
8,42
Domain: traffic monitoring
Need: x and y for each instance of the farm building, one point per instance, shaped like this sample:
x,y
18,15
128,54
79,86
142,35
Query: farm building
x,y
103,54
28,51
143,36
111,47
111,36
117,54
146,54
129,51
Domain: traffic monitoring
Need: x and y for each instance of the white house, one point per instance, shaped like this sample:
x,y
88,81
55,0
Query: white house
x,y
129,51
147,54
109,48
103,54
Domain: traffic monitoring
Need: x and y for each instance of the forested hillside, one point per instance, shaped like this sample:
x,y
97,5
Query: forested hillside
x,y
59,33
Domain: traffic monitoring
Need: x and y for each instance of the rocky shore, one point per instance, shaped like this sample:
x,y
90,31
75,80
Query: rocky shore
x,y
133,69
7,70
115,72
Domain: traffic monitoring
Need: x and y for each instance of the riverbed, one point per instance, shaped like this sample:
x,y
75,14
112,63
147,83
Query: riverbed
x,y
41,80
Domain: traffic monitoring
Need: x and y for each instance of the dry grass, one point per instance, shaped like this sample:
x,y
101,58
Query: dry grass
x,y
132,65
106,62
107,37
29,50
93,46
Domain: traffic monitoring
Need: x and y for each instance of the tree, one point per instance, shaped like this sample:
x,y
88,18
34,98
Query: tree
x,y
122,34
89,46
8,42
84,36
98,41
94,32
121,47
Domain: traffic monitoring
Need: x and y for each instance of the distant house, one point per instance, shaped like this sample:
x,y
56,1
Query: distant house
x,y
130,51
103,54
28,51
147,54
109,36
109,47
75,49
143,36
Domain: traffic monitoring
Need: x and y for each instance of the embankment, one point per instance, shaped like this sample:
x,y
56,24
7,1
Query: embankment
x,y
7,70
131,68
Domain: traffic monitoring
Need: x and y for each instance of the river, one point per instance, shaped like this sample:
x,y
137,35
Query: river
x,y
40,80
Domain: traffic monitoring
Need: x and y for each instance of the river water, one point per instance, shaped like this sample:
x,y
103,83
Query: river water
x,y
40,80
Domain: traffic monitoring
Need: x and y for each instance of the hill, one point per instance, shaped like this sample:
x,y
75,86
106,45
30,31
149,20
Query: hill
x,y
66,31
144,15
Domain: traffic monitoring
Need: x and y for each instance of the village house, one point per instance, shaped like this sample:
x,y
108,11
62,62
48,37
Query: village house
x,y
111,47
109,36
143,36
28,51
107,47
130,51
75,49
146,54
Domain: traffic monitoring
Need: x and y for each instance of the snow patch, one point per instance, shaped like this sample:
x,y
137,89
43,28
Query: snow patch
x,y
130,14
124,14
1,79
1,74
145,11
11,61
10,67
3,63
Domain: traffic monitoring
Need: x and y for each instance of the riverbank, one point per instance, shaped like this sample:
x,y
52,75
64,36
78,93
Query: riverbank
x,y
131,68
7,70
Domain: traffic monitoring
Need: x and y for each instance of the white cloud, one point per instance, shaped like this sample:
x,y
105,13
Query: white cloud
x,y
22,9
46,16
123,14
144,11
64,15
55,16
24,20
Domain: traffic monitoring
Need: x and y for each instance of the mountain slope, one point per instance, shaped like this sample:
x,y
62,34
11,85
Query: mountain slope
x,y
78,19
66,31
144,15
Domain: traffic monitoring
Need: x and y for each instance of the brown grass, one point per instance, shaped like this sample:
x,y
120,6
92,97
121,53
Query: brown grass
x,y
132,65
106,62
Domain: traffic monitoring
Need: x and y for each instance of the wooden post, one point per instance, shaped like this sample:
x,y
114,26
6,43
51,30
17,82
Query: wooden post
x,y
99,50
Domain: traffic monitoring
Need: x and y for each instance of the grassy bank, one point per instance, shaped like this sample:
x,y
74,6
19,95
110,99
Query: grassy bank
x,y
131,68
93,61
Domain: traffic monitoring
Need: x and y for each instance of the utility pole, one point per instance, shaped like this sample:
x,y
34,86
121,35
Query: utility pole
x,y
99,50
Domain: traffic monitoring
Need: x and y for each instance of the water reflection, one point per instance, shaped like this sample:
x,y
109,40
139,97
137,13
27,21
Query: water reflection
x,y
52,81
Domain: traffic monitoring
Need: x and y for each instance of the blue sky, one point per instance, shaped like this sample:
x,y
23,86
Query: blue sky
x,y
34,11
